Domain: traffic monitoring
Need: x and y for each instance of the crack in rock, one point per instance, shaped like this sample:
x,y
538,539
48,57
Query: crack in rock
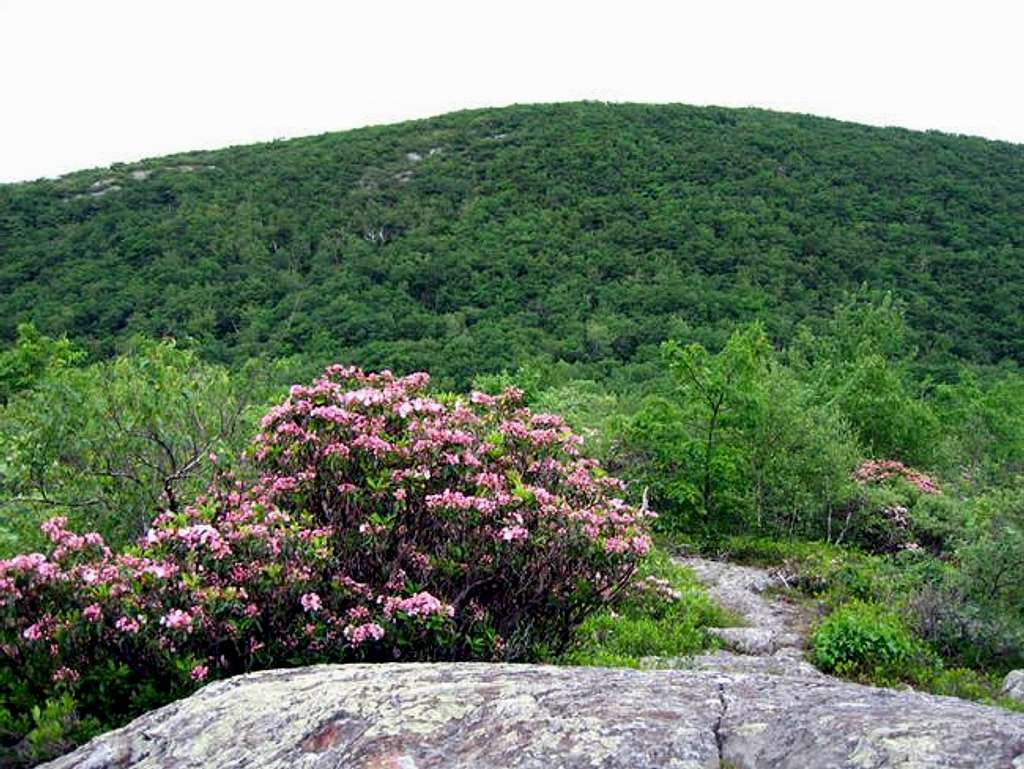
x,y
723,709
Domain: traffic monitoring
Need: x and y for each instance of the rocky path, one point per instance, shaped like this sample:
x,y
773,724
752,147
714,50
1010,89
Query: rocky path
x,y
776,628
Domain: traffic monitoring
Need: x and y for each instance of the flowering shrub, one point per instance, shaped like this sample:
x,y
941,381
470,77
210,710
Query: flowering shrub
x,y
881,470
370,522
889,517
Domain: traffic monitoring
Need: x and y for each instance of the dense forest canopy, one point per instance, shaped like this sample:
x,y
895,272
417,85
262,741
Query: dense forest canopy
x,y
475,241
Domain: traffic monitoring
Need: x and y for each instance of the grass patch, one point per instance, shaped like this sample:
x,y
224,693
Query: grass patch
x,y
665,615
970,684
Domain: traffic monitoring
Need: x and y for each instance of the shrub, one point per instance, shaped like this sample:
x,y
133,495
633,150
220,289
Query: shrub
x,y
966,684
372,522
864,641
898,508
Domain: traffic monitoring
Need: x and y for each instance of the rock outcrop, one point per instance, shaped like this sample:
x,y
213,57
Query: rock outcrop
x,y
1013,685
420,716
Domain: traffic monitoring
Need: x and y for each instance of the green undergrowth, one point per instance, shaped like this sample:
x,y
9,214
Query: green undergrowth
x,y
875,617
665,614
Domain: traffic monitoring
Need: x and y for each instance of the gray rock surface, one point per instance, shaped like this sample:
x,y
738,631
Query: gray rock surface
x,y
779,664
1013,685
745,640
787,723
522,716
776,629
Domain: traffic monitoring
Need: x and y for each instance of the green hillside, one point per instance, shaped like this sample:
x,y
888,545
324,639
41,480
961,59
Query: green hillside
x,y
472,241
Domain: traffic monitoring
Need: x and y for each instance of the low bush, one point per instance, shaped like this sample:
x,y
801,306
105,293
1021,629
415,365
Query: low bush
x,y
371,522
867,642
898,508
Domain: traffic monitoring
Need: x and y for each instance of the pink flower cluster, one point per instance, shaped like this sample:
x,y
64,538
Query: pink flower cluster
x,y
360,634
176,619
880,470
421,604
311,602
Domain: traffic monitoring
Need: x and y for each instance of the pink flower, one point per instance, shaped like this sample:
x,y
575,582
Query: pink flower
x,y
358,613
7,586
311,602
204,535
128,625
616,545
513,534
65,674
373,444
640,545
283,485
92,612
361,633
512,394
199,673
879,470
54,528
161,570
176,619
422,604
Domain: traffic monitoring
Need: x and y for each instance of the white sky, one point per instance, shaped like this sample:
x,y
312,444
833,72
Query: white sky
x,y
86,83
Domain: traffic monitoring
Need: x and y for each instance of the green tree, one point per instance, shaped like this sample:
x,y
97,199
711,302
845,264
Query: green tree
x,y
861,363
111,444
984,422
721,386
687,436
740,443
30,357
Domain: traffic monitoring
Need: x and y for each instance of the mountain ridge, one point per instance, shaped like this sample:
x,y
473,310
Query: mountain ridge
x,y
473,241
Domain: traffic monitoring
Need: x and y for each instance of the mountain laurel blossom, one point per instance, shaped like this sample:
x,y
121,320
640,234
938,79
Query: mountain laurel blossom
x,y
880,470
310,602
359,634
176,619
368,521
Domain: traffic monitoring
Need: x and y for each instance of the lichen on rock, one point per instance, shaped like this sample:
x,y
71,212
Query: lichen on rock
x,y
456,716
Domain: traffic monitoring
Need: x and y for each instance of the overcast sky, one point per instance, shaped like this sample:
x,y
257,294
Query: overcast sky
x,y
86,83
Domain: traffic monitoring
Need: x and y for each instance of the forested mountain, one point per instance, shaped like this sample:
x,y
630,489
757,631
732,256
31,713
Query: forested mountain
x,y
778,331
469,242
